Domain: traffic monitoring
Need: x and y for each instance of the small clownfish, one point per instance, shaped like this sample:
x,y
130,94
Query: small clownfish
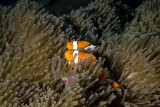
x,y
75,56
105,73
75,45
114,84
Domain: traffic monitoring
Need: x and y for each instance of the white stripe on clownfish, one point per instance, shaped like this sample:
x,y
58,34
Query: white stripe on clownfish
x,y
75,45
76,56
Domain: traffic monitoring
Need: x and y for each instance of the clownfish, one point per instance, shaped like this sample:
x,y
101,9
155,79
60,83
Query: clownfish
x,y
75,45
113,83
74,56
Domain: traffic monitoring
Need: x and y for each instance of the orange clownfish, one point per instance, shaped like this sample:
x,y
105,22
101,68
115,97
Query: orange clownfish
x,y
115,84
75,56
112,82
75,45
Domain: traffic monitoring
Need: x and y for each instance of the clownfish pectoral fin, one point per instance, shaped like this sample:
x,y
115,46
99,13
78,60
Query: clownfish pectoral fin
x,y
69,55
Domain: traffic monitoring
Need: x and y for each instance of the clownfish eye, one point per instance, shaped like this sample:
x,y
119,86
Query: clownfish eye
x,y
70,53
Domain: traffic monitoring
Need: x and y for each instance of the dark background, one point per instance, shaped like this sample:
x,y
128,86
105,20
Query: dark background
x,y
60,7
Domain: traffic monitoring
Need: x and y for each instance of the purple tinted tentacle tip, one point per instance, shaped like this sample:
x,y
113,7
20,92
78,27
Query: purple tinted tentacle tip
x,y
67,81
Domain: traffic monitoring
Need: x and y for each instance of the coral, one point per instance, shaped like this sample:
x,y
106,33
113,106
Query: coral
x,y
147,18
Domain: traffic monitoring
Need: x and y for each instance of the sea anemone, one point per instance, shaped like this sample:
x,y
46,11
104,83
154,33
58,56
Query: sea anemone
x,y
32,61
92,22
146,18
97,90
34,44
134,61
16,90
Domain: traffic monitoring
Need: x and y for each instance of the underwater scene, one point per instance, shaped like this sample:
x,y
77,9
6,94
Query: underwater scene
x,y
79,53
